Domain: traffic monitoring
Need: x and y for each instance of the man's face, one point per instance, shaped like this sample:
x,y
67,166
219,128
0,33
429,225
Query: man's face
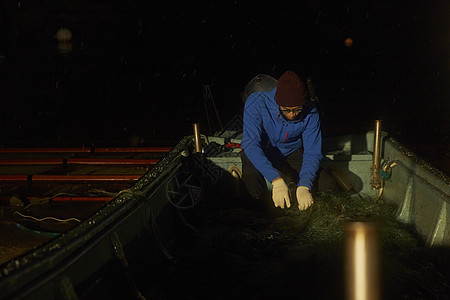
x,y
291,112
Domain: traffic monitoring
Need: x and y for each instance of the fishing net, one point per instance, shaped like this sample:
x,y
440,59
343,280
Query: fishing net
x,y
237,253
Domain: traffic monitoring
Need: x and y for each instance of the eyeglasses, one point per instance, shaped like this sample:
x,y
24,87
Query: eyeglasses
x,y
294,110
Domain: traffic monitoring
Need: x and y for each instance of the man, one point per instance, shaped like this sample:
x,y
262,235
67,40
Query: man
x,y
282,142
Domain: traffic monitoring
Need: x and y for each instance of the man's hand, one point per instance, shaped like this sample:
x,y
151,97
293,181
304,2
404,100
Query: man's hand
x,y
304,198
280,193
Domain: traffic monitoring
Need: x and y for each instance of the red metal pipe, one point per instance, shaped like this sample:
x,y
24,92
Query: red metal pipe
x,y
13,177
79,161
45,150
132,150
38,161
111,161
125,177
86,150
71,178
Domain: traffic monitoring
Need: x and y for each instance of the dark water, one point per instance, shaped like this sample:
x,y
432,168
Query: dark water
x,y
137,69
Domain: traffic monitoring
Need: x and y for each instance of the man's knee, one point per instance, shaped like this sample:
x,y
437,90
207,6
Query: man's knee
x,y
254,182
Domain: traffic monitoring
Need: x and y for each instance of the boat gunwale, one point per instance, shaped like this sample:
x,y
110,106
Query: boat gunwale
x,y
422,165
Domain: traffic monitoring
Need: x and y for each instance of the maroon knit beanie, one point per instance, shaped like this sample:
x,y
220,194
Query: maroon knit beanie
x,y
290,90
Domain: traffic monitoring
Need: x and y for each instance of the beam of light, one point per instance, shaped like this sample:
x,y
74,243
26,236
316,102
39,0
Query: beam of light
x,y
360,266
361,263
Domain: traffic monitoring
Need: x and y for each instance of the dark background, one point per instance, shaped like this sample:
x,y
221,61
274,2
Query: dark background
x,y
136,71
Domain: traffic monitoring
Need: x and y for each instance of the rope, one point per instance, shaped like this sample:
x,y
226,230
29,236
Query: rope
x,y
205,100
97,192
207,95
214,105
47,218
48,198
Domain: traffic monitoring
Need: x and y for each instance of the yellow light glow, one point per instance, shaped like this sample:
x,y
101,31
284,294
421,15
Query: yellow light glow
x,y
360,266
63,34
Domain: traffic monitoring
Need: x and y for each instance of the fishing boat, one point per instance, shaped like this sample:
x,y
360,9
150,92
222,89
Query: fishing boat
x,y
184,218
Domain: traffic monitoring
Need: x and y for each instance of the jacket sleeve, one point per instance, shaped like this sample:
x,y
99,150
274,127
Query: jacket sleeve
x,y
312,146
251,141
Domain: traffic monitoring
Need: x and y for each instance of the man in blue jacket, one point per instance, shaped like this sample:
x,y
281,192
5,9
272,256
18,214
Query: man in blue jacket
x,y
282,143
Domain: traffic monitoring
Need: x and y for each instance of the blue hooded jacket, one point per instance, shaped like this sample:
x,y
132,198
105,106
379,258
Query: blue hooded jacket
x,y
264,124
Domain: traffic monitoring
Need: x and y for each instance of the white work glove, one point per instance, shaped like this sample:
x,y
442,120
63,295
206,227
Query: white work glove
x,y
280,193
304,198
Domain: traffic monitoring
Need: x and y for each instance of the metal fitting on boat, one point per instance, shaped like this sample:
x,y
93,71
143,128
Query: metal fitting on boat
x,y
375,179
197,140
362,262
236,174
